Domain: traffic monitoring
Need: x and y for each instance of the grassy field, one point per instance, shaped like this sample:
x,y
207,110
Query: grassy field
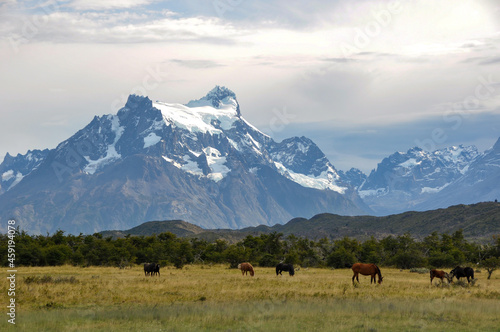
x,y
217,298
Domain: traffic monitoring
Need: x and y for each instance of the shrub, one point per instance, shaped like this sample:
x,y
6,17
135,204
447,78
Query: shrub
x,y
268,260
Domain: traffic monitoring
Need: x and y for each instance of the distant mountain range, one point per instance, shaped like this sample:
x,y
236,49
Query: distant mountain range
x,y
204,163
478,221
420,180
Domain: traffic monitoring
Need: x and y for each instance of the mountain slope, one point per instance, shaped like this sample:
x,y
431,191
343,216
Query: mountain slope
x,y
178,227
201,162
478,221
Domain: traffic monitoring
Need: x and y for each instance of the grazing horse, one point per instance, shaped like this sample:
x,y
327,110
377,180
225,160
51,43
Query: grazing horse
x,y
462,272
367,270
151,269
156,270
245,268
285,267
439,274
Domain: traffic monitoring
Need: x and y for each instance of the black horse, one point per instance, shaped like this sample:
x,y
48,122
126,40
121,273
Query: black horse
x,y
461,272
151,269
285,267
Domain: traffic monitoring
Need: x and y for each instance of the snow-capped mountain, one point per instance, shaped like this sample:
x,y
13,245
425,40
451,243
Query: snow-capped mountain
x,y
403,181
201,162
479,183
14,169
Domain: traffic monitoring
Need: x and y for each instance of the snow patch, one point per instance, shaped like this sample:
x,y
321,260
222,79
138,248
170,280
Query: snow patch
x,y
173,162
216,163
111,153
428,190
326,180
9,175
412,162
191,166
19,177
373,192
6,176
151,139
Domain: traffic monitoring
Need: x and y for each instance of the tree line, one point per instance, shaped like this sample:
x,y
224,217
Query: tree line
x,y
404,251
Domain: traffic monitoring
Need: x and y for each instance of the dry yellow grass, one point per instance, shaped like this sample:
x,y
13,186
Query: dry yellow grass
x,y
218,298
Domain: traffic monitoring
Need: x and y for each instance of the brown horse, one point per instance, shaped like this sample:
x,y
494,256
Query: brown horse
x,y
440,274
367,270
245,268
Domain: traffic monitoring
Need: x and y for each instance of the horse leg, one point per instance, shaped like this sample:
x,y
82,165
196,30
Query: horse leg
x,y
354,276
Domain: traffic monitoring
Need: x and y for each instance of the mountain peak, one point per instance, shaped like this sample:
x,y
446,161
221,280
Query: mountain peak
x,y
7,156
217,94
496,146
217,97
135,101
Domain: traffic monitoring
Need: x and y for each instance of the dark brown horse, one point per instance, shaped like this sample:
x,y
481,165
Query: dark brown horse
x,y
367,270
440,274
285,267
462,272
245,268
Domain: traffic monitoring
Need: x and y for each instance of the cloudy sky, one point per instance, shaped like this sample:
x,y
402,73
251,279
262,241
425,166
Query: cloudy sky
x,y
363,79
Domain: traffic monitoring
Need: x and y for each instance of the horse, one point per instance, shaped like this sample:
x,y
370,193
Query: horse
x,y
245,268
439,274
151,269
156,270
461,272
285,267
367,270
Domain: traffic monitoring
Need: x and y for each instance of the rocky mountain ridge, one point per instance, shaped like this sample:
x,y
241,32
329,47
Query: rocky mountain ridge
x,y
201,162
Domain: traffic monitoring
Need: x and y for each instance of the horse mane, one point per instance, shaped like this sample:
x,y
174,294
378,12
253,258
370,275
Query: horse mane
x,y
378,272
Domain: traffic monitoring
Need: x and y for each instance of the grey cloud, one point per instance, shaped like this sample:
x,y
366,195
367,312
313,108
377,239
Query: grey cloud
x,y
490,61
197,64
339,60
483,60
